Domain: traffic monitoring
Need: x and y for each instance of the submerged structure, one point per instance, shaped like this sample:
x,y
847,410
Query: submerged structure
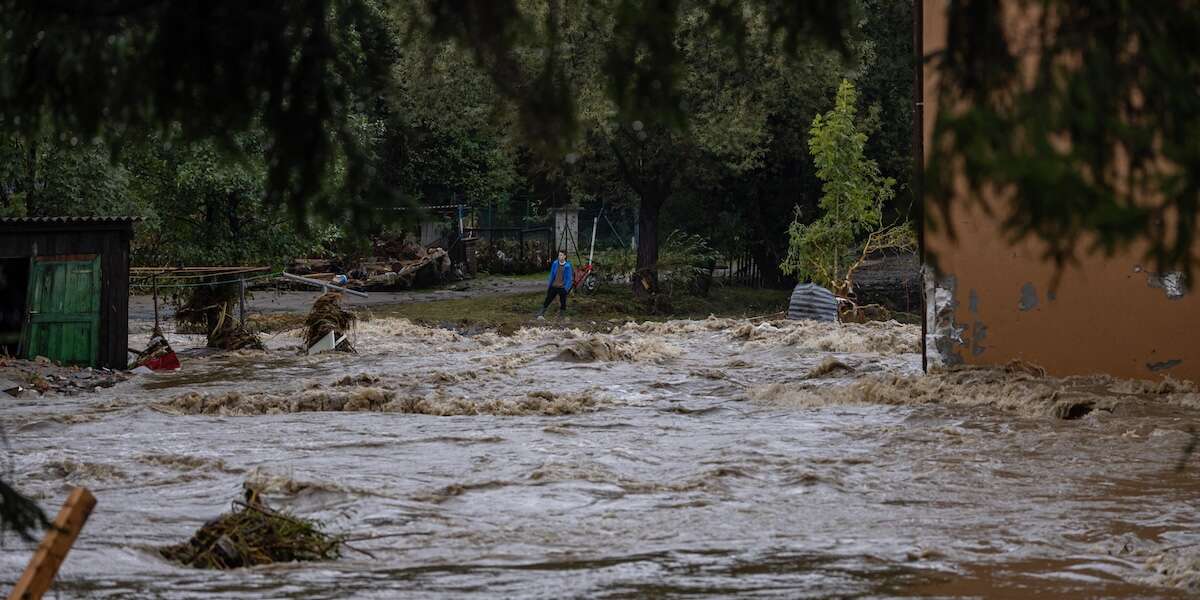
x,y
64,289
990,301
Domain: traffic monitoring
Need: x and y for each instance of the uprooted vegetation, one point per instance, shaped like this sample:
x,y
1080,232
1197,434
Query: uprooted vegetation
x,y
252,534
327,316
209,310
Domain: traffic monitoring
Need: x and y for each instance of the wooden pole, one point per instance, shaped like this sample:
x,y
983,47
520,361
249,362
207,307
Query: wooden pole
x,y
242,301
42,568
155,280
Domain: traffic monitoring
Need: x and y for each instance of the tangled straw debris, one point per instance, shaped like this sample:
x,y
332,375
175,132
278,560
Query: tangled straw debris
x,y
253,534
325,316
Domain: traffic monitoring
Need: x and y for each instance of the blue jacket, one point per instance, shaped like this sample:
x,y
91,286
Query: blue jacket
x,y
567,276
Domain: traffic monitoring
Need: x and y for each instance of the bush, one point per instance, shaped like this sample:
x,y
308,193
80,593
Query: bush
x,y
685,263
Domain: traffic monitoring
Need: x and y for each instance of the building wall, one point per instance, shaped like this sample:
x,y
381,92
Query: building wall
x,y
990,301
112,245
566,230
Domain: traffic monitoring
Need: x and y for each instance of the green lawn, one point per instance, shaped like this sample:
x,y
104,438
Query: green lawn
x,y
611,304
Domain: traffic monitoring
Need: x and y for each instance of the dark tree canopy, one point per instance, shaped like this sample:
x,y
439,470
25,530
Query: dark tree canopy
x,y
1116,79
205,68
301,69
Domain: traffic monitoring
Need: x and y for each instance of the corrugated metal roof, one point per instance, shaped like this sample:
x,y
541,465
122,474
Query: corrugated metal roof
x,y
811,301
70,220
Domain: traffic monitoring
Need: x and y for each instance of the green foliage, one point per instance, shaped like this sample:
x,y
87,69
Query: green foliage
x,y
210,207
444,140
302,70
65,176
852,204
722,88
724,156
298,69
685,260
20,514
1094,132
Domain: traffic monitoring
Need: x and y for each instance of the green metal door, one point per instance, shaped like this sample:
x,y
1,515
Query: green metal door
x,y
64,309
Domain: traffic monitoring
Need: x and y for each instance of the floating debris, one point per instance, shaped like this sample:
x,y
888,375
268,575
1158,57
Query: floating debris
x,y
253,534
158,355
327,316
209,310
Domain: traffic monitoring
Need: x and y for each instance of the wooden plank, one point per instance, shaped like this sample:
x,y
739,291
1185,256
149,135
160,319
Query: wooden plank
x,y
116,286
43,567
65,257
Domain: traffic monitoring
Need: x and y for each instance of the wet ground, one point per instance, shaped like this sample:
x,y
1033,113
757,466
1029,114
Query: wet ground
x,y
266,301
695,458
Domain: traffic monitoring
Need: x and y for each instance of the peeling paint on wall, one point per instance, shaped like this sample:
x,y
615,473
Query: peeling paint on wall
x,y
1164,365
978,334
1113,313
1029,297
1171,283
944,334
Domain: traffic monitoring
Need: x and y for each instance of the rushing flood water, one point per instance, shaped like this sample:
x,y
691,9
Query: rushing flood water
x,y
703,458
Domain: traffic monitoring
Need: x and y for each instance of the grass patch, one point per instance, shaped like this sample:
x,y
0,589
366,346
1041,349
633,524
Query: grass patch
x,y
610,304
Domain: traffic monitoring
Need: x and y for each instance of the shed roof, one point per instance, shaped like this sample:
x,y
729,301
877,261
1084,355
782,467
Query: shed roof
x,y
19,225
81,220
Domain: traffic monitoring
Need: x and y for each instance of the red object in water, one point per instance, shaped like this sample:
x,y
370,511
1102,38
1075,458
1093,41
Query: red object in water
x,y
166,362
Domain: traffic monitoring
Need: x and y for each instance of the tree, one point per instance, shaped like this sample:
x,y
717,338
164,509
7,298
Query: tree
x,y
445,135
304,68
852,204
47,176
299,69
207,206
730,95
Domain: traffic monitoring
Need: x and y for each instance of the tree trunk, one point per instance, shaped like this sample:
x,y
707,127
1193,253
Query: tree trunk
x,y
645,280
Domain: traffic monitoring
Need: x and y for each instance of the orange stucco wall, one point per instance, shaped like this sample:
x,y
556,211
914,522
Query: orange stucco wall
x,y
990,301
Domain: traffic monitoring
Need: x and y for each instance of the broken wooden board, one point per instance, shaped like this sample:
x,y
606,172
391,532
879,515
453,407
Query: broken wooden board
x,y
43,567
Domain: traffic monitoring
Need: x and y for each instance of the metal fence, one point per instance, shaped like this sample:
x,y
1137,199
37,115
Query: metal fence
x,y
740,268
520,236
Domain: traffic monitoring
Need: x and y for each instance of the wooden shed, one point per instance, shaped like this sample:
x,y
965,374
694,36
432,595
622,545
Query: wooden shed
x,y
64,289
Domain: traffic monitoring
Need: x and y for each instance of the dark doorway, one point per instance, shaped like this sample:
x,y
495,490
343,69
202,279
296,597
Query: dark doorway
x,y
14,284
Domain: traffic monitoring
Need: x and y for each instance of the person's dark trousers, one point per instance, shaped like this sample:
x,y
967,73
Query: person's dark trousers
x,y
550,294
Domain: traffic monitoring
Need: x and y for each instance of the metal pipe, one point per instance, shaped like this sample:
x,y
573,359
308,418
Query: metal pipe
x,y
322,284
592,250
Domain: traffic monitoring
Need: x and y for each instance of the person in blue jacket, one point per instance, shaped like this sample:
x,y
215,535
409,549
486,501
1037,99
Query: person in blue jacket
x,y
561,276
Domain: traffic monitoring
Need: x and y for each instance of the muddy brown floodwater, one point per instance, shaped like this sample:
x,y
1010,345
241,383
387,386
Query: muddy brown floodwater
x,y
690,458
